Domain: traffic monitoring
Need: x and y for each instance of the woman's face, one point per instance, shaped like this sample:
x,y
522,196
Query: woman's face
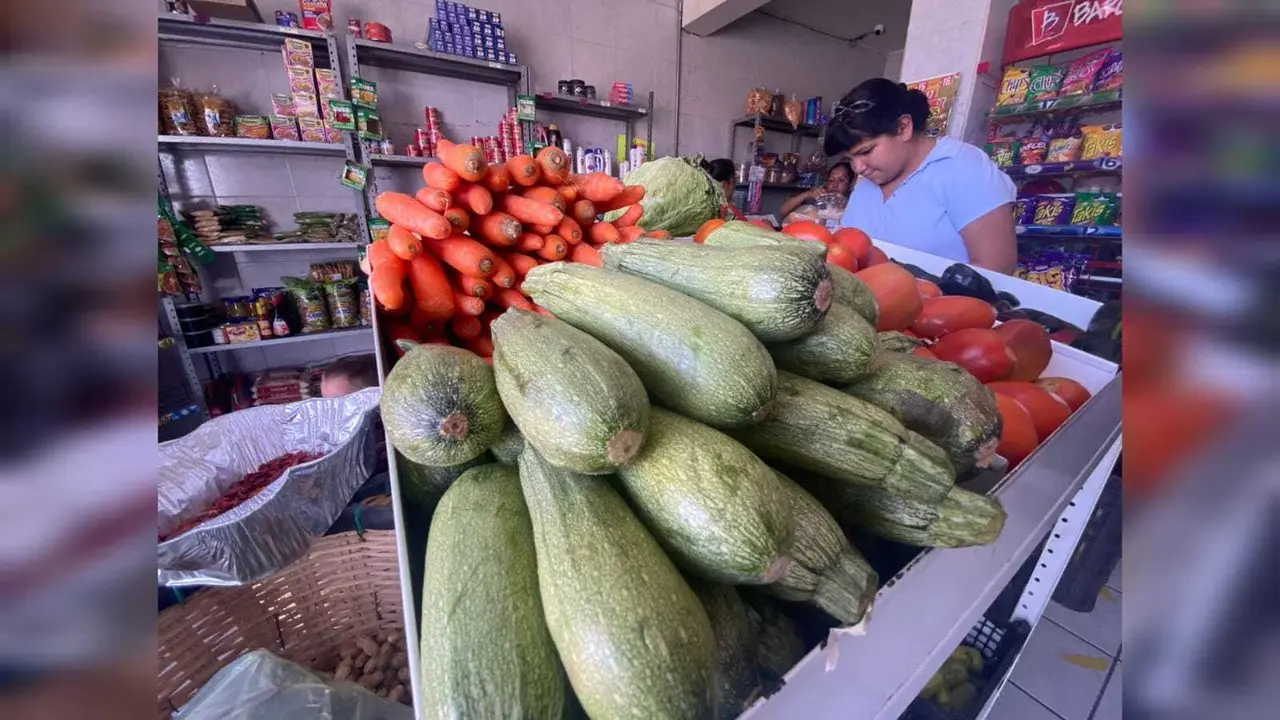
x,y
882,159
838,180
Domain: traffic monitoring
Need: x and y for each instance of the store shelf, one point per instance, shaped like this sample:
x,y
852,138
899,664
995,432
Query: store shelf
x,y
924,612
1091,101
399,57
590,108
283,341
776,125
1069,231
1076,167
405,160
230,33
237,144
284,246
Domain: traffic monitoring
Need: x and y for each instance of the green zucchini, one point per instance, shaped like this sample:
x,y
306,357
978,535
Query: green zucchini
x,y
739,234
900,342
575,400
837,352
633,637
715,507
737,642
693,358
495,658
939,400
852,292
777,295
509,445
821,429
440,405
827,570
780,645
423,485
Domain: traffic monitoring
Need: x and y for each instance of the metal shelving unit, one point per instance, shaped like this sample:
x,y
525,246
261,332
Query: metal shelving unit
x,y
308,337
773,125
283,246
400,160
603,109
172,143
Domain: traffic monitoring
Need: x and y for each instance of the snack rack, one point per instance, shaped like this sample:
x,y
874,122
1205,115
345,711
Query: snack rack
x,y
627,114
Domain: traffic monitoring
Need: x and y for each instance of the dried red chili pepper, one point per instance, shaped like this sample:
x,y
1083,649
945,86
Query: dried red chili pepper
x,y
245,488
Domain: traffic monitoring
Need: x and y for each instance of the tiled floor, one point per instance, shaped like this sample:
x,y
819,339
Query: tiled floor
x,y
1070,668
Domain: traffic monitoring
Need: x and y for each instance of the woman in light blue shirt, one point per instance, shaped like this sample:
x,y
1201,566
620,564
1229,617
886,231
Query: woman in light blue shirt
x,y
940,196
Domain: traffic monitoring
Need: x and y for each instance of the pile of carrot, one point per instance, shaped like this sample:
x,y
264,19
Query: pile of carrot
x,y
457,252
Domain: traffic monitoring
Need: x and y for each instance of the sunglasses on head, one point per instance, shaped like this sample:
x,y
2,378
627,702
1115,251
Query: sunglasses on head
x,y
839,112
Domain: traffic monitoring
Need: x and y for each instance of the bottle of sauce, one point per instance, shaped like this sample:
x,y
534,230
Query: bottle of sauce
x,y
553,136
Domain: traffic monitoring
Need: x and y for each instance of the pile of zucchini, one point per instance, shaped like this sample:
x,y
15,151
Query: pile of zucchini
x,y
620,498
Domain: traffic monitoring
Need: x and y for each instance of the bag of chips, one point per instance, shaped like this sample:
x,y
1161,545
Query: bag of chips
x,y
1081,73
1111,74
1013,87
1054,209
1101,141
1004,154
1094,209
1063,149
1045,81
1032,151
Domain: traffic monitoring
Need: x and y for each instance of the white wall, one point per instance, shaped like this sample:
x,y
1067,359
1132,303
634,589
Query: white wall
x,y
893,65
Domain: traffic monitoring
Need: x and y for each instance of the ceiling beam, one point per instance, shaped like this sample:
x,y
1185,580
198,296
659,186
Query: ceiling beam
x,y
704,17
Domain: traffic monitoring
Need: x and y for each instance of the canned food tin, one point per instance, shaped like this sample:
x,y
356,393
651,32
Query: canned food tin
x,y
353,28
421,138
413,150
377,32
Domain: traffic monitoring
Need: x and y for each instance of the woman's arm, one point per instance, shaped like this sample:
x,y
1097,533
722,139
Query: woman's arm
x,y
991,242
796,201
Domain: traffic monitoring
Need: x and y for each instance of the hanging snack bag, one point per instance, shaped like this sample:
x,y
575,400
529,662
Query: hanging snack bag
x,y
308,297
1063,149
355,176
1094,209
364,92
1101,141
1053,209
1014,86
759,101
379,229
1111,74
794,110
1045,82
1003,153
1032,150
342,115
1024,210
1082,72
368,124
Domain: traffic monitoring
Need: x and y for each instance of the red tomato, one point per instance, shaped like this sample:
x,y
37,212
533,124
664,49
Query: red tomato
x,y
1048,411
858,242
896,295
1018,433
876,257
980,351
923,352
1069,391
1030,345
707,228
808,230
928,289
839,255
942,315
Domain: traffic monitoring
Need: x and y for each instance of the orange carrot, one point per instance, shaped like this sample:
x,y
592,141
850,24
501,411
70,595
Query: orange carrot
x,y
458,218
513,299
530,242
603,232
474,286
475,198
555,248
584,211
630,195
440,177
569,191
497,179
403,243
543,229
503,275
387,284
663,234
530,211
521,264
463,254
599,187
584,253
630,217
401,209
466,160
498,229
466,327
434,198
431,290
630,234
380,252
554,164
547,195
468,304
523,170
569,230
482,346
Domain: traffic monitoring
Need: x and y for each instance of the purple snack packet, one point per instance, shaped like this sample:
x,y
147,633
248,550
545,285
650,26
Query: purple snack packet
x,y
1111,74
1053,209
1024,210
1081,73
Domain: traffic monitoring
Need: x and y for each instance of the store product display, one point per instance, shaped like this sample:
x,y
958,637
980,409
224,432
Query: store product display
x,y
1098,71
459,29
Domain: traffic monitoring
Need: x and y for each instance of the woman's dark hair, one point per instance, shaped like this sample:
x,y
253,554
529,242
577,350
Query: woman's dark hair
x,y
720,169
872,109
842,164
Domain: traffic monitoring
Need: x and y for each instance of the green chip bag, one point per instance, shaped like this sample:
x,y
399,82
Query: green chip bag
x,y
1094,209
1045,82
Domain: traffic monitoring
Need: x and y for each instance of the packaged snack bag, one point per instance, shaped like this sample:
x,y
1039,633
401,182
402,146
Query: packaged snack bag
x,y
1003,153
1045,81
1111,74
1054,209
1063,149
1081,73
1094,209
1032,151
1014,85
1101,141
1024,210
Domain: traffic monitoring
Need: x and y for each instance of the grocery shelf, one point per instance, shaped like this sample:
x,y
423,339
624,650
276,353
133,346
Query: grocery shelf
x,y
1069,231
923,613
235,34
776,125
399,57
284,246
231,347
1091,101
1065,168
380,159
590,108
239,144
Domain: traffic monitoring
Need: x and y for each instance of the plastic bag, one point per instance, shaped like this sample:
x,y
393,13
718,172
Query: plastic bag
x,y
758,101
344,303
794,110
960,279
308,297
261,686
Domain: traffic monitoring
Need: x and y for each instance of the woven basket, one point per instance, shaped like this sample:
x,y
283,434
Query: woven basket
x,y
343,588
